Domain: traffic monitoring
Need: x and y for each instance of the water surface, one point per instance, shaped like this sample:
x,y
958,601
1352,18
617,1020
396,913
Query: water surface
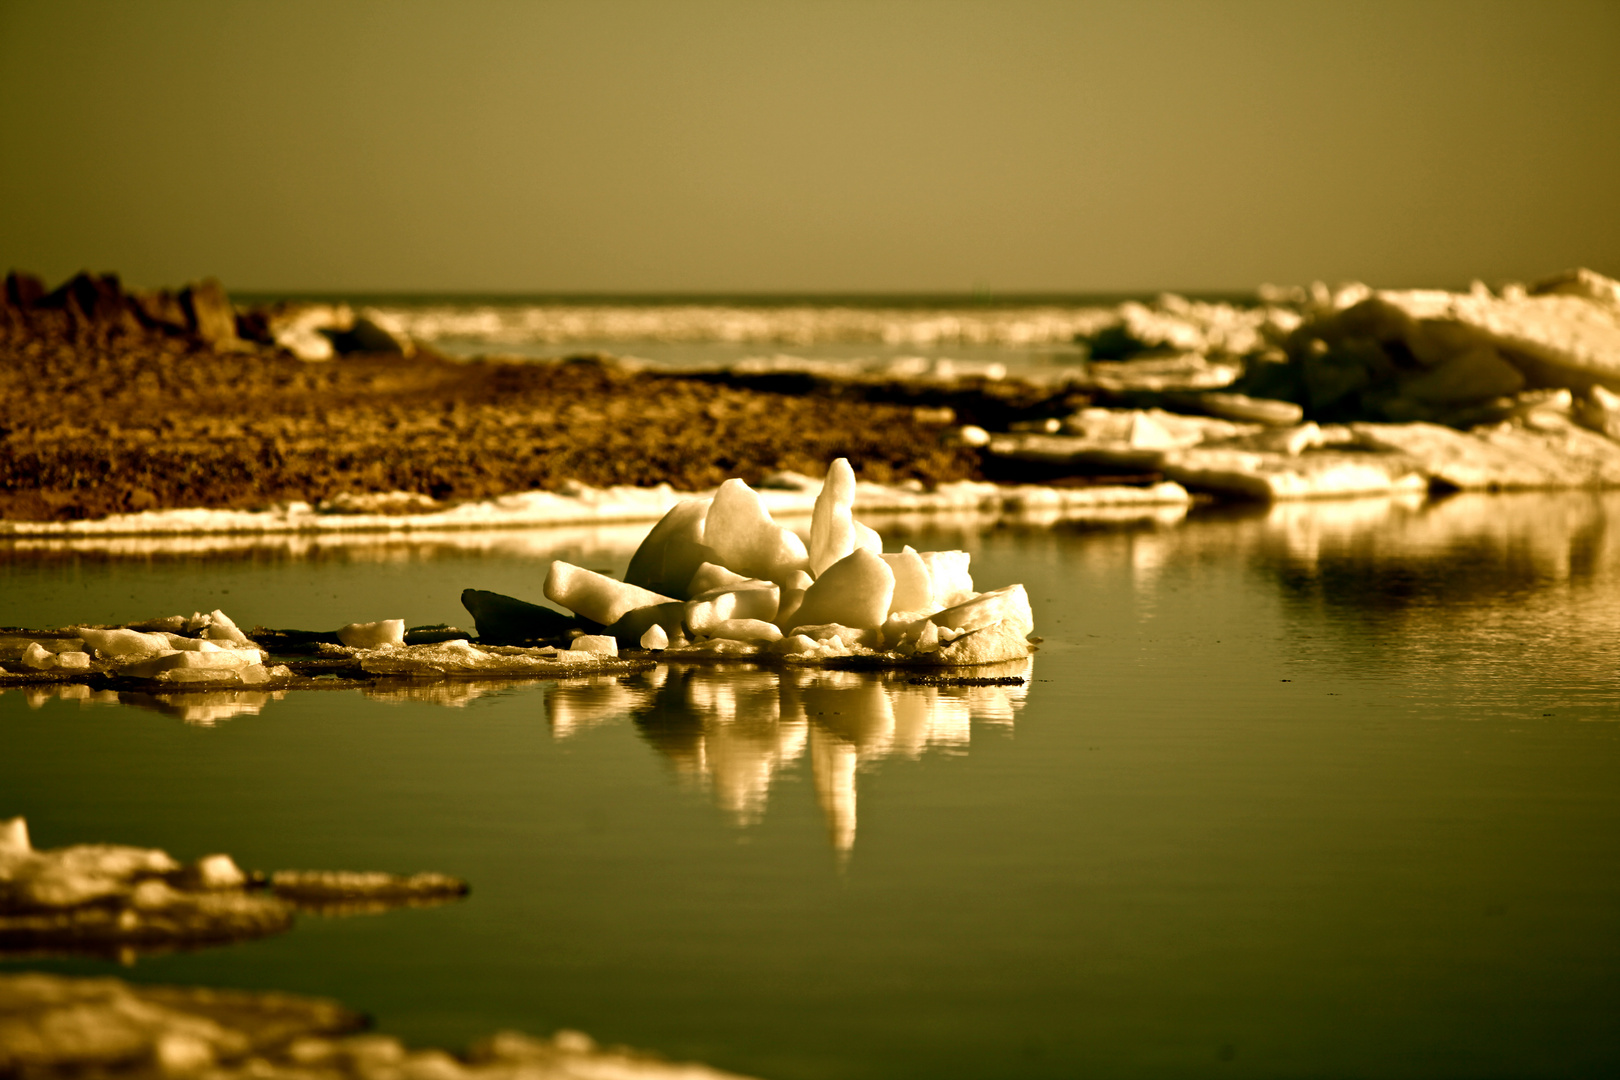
x,y
1322,790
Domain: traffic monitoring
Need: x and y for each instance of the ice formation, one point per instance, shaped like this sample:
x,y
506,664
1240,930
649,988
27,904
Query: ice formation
x,y
205,649
99,896
719,577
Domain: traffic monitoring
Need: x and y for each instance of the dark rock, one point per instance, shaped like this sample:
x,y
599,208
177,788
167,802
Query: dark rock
x,y
366,335
161,310
93,302
23,290
505,620
209,314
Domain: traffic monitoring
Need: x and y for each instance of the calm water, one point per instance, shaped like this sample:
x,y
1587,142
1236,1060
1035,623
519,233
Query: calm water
x,y
1321,791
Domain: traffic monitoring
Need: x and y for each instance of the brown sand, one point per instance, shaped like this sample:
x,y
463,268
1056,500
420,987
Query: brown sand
x,y
100,417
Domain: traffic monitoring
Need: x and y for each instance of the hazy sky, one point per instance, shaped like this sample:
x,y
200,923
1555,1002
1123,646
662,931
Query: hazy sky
x,y
770,146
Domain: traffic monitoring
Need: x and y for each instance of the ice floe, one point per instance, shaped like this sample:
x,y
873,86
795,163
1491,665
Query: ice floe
x,y
205,650
783,496
63,1026
721,578
111,897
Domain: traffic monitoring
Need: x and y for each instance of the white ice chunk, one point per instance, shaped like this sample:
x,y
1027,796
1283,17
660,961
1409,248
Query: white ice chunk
x,y
122,644
218,660
36,657
855,591
217,872
655,638
1009,605
913,584
595,596
746,540
673,551
221,628
952,583
990,645
798,645
73,660
832,528
373,635
867,538
788,606
744,630
190,644
751,600
709,576
600,644
849,637
14,837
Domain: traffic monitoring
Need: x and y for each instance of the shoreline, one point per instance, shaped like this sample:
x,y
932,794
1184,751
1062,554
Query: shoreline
x,y
129,413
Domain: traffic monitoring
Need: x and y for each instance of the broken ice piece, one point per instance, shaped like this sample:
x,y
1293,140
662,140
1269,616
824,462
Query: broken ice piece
x,y
744,630
740,531
38,657
600,644
855,591
709,576
219,660
913,584
373,635
948,571
655,638
1009,605
832,527
595,596
217,626
673,551
748,600
119,644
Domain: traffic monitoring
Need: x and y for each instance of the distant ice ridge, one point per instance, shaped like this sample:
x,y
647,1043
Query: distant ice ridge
x,y
787,325
786,495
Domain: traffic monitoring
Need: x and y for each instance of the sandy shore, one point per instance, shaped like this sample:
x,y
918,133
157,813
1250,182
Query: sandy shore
x,y
103,417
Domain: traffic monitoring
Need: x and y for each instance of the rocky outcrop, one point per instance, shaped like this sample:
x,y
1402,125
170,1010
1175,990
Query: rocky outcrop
x,y
97,307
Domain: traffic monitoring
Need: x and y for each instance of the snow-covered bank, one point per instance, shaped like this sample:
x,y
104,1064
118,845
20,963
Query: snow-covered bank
x,y
786,495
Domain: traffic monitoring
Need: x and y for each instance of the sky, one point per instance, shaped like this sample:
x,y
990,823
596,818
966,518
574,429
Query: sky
x,y
757,146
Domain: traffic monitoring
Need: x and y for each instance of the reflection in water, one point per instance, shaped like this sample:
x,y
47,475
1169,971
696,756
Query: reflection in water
x,y
451,693
737,730
203,708
1463,583
576,704
39,694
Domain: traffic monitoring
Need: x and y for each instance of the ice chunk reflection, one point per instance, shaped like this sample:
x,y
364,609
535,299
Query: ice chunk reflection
x,y
736,731
451,693
203,708
572,705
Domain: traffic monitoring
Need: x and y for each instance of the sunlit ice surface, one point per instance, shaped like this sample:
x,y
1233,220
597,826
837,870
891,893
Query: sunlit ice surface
x,y
1317,789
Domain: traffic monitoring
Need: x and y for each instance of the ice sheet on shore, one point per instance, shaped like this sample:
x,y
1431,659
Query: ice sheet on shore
x,y
786,496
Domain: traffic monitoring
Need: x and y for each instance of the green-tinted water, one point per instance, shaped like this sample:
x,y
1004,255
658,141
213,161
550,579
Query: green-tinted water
x,y
1325,791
